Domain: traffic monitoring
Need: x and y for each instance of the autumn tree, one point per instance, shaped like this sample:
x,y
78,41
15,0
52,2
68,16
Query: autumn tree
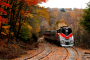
x,y
54,17
21,8
15,14
3,19
25,31
41,14
59,24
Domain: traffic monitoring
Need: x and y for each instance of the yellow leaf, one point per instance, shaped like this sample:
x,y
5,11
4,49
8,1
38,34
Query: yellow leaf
x,y
29,15
29,27
17,23
3,33
12,33
6,26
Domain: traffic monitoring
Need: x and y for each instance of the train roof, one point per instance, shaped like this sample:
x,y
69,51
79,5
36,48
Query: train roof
x,y
65,27
47,31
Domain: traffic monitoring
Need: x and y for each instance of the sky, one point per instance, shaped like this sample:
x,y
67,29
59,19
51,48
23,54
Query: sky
x,y
65,4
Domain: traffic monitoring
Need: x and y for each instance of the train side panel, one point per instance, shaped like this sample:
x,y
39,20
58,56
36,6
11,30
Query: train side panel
x,y
52,34
47,34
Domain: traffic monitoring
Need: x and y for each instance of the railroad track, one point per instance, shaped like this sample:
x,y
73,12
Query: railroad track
x,y
66,54
47,50
76,52
33,55
47,53
72,54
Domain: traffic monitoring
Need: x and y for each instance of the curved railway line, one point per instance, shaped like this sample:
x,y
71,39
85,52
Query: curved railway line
x,y
72,54
52,51
36,54
48,53
76,52
49,50
45,52
66,54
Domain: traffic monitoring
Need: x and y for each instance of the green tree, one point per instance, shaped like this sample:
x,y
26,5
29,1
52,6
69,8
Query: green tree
x,y
62,10
24,32
85,21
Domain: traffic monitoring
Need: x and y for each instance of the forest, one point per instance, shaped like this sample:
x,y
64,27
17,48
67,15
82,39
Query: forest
x,y
22,22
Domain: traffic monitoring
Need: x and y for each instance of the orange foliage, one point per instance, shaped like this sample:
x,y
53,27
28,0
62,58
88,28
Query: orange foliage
x,y
5,4
2,10
44,0
42,12
35,1
6,26
3,19
3,33
31,2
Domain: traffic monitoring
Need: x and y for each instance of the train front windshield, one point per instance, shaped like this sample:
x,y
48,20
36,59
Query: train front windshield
x,y
66,31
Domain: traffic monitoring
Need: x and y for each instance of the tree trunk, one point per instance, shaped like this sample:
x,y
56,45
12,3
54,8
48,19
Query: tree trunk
x,y
1,31
19,27
10,29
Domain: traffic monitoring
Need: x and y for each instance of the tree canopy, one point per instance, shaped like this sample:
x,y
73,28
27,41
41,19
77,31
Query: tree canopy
x,y
86,18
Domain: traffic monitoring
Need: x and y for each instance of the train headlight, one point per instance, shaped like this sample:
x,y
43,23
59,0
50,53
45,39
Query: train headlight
x,y
71,41
62,41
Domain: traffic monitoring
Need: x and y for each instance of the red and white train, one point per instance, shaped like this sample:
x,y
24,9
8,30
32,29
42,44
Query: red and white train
x,y
63,36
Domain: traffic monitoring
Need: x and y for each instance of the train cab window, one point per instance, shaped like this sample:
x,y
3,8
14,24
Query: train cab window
x,y
69,31
63,31
66,31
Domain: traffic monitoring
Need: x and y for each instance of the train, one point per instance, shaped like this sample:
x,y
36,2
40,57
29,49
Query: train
x,y
63,36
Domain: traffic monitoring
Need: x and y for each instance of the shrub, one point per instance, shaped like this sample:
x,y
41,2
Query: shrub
x,y
24,32
34,37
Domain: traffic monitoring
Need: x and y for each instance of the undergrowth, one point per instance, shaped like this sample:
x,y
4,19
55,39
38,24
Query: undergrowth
x,y
16,50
